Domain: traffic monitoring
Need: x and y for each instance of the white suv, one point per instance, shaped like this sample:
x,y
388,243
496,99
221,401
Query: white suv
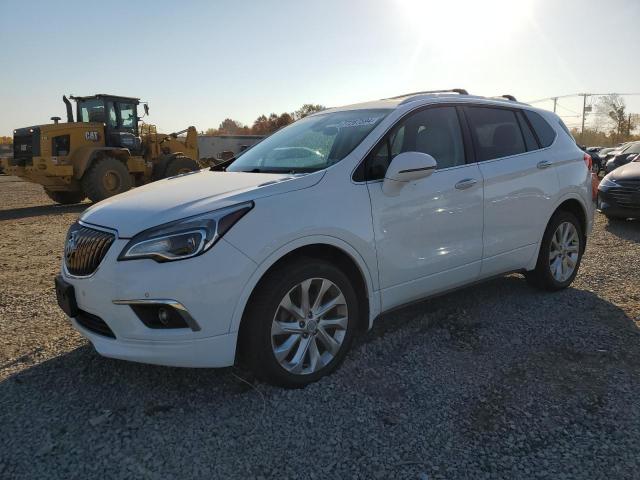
x,y
283,254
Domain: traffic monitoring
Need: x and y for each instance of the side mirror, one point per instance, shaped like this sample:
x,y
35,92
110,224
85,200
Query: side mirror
x,y
407,167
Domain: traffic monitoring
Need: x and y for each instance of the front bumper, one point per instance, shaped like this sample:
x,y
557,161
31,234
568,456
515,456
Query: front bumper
x,y
210,352
610,206
208,286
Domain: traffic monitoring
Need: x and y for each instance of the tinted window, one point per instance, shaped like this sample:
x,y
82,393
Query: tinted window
x,y
496,132
435,131
529,139
545,133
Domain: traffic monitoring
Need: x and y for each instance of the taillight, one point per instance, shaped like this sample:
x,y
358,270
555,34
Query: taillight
x,y
588,161
595,182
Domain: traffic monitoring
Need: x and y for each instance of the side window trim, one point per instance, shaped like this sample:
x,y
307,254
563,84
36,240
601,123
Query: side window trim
x,y
469,153
469,147
533,130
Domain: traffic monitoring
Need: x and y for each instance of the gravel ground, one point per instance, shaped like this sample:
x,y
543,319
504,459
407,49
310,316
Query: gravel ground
x,y
494,381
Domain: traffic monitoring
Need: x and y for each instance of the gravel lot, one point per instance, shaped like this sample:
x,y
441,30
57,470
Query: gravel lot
x,y
494,381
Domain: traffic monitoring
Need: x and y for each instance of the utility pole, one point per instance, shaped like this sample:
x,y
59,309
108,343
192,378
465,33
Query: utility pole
x,y
555,104
584,107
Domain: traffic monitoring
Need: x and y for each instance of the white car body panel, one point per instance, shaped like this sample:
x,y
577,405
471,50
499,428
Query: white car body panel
x,y
429,238
428,229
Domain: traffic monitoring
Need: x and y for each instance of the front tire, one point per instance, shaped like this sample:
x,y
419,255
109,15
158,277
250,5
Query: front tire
x,y
560,253
65,197
299,323
105,178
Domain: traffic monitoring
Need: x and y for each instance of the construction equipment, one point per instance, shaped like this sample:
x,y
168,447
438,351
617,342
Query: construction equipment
x,y
105,151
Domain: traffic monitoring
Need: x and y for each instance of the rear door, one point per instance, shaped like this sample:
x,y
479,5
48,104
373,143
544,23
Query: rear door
x,y
520,185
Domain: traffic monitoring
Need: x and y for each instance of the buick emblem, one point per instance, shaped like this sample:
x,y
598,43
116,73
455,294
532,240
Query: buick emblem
x,y
70,248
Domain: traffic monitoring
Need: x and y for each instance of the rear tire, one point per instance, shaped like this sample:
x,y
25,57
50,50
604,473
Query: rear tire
x,y
65,197
559,258
106,177
180,165
269,329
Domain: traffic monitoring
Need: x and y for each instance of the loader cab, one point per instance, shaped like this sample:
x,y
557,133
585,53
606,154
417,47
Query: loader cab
x,y
119,116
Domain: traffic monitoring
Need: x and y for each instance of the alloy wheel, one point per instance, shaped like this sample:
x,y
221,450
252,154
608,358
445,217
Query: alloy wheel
x,y
309,326
564,252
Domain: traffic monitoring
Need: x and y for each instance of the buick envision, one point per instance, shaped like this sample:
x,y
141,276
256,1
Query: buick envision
x,y
304,239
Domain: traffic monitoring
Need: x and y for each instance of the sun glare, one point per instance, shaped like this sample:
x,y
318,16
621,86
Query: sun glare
x,y
467,24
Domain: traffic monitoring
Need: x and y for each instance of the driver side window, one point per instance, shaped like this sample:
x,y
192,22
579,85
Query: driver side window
x,y
435,131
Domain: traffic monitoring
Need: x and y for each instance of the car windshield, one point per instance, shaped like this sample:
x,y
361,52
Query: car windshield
x,y
311,144
633,148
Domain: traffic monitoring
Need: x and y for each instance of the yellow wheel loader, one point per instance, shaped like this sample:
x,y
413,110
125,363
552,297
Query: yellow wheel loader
x,y
105,151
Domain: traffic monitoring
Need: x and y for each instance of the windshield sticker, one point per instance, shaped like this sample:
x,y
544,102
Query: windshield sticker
x,y
359,122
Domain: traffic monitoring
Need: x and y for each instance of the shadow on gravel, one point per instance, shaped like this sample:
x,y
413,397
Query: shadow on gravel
x,y
26,212
626,229
500,371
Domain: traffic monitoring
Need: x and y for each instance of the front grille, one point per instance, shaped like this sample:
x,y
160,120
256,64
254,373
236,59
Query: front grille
x,y
85,248
94,324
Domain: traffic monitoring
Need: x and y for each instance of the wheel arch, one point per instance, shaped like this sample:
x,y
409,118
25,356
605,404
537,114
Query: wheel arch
x,y
572,204
328,248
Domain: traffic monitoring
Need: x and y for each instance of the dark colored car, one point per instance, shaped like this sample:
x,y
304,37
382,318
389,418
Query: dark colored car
x,y
622,157
619,192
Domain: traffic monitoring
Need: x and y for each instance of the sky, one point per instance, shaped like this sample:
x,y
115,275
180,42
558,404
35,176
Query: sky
x,y
198,62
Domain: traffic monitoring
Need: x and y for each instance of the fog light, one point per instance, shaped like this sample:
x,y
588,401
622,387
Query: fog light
x,y
159,316
163,316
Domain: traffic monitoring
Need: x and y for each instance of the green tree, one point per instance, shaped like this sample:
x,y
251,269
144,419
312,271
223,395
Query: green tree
x,y
308,109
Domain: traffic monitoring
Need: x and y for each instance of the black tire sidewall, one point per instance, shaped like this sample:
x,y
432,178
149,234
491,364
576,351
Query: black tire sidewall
x,y
263,307
92,180
543,268
65,197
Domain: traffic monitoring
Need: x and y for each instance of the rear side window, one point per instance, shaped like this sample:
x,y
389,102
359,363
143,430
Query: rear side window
x,y
496,132
543,130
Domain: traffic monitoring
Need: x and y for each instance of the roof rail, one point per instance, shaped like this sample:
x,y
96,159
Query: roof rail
x,y
460,91
508,97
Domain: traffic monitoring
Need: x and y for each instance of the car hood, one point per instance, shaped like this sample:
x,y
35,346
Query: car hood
x,y
630,171
186,195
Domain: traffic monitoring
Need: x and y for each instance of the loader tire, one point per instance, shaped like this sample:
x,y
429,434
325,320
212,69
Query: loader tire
x,y
65,198
106,177
180,165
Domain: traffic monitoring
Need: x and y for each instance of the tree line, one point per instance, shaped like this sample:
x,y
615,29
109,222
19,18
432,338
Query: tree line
x,y
264,124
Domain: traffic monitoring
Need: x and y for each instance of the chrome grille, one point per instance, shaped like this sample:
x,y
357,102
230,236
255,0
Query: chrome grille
x,y
85,248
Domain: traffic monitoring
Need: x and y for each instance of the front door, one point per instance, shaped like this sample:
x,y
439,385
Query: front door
x,y
429,236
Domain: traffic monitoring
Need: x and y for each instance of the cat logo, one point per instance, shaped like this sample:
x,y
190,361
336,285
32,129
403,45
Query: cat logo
x,y
91,136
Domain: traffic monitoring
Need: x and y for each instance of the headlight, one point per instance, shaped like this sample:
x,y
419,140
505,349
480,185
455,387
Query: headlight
x,y
607,183
184,238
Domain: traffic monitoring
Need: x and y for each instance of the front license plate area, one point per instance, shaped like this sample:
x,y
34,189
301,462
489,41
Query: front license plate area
x,y
66,296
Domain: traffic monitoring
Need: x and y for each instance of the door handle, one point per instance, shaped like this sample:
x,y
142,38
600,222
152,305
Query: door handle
x,y
466,183
544,164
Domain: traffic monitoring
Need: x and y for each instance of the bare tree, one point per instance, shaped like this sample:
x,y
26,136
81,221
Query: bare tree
x,y
613,110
